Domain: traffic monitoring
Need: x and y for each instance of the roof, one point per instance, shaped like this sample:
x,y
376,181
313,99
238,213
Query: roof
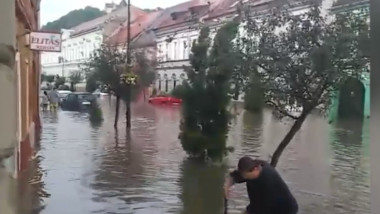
x,y
223,7
184,12
349,3
196,10
138,26
120,13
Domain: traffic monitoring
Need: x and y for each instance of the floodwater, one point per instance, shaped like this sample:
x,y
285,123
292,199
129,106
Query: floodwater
x,y
84,168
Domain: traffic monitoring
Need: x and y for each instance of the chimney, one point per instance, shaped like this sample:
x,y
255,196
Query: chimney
x,y
109,7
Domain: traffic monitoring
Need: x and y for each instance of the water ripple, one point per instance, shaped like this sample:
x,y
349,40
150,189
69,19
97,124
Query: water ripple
x,y
100,170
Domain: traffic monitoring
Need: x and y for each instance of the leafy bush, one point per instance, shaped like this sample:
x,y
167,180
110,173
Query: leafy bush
x,y
91,84
59,81
206,94
178,91
96,114
254,97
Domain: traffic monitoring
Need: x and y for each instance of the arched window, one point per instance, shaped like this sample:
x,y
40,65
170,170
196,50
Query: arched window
x,y
174,78
166,78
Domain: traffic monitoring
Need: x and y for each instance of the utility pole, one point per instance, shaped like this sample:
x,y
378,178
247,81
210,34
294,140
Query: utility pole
x,y
128,67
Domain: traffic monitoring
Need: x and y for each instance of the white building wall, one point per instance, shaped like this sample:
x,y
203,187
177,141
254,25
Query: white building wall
x,y
173,55
75,51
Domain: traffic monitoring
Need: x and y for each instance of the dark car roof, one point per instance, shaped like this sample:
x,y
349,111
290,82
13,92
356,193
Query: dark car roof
x,y
82,93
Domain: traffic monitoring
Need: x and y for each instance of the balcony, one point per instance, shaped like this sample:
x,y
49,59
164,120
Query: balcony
x,y
170,64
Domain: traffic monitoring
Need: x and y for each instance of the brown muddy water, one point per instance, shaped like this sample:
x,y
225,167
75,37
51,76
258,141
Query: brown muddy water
x,y
84,168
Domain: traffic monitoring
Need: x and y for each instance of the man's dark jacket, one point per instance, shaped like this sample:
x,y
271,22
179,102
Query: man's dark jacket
x,y
268,194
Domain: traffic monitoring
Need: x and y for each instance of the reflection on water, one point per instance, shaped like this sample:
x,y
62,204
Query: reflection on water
x,y
350,168
202,187
88,169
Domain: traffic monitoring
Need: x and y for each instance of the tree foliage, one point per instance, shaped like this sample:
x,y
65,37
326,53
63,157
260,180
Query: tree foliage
x,y
75,78
206,94
60,82
304,58
47,78
91,83
107,66
74,18
144,69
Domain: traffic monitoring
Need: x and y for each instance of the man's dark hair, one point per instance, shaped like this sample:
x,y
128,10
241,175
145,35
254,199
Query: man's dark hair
x,y
247,164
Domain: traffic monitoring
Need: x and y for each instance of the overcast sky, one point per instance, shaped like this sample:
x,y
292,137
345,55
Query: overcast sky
x,y
54,9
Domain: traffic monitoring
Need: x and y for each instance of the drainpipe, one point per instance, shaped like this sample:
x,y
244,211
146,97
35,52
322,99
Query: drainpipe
x,y
8,112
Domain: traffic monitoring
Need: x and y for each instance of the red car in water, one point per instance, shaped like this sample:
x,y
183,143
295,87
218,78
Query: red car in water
x,y
165,100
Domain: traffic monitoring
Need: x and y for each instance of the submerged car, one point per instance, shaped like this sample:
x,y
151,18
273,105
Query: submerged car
x,y
63,94
165,100
78,101
99,93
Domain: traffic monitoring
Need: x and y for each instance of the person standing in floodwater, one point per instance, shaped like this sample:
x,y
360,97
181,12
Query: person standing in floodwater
x,y
44,101
267,191
53,99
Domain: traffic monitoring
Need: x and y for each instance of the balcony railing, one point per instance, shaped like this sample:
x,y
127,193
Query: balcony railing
x,y
173,64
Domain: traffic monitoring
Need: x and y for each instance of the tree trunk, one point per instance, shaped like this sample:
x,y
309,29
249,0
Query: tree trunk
x,y
128,112
144,91
117,111
289,136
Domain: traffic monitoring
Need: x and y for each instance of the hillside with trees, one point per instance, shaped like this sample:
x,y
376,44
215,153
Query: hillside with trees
x,y
74,18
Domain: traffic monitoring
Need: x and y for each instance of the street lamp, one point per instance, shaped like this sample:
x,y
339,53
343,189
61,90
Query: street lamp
x,y
128,79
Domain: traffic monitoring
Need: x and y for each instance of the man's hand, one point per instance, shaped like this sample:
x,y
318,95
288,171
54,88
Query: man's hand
x,y
227,186
226,192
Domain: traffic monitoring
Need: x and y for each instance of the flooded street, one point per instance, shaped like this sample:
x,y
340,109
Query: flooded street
x,y
90,168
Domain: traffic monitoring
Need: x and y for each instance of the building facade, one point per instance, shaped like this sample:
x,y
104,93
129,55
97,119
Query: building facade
x,y
360,95
179,27
19,82
80,42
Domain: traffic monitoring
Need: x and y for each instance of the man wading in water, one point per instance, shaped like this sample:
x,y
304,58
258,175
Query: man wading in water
x,y
268,193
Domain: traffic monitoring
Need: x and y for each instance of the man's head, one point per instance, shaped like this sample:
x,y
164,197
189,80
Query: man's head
x,y
249,168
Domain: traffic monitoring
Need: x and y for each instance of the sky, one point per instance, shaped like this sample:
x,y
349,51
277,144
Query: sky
x,y
54,9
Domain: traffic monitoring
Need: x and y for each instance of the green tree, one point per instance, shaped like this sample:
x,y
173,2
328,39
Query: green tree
x,y
304,58
59,82
74,18
91,83
205,121
48,78
107,68
144,69
75,78
107,65
254,95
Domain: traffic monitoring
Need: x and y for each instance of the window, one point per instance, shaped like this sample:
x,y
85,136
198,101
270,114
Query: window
x,y
72,97
167,52
175,51
159,55
184,54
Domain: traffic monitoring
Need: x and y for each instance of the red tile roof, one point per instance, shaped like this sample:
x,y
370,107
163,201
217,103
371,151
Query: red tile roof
x,y
120,13
182,10
203,8
223,7
139,25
